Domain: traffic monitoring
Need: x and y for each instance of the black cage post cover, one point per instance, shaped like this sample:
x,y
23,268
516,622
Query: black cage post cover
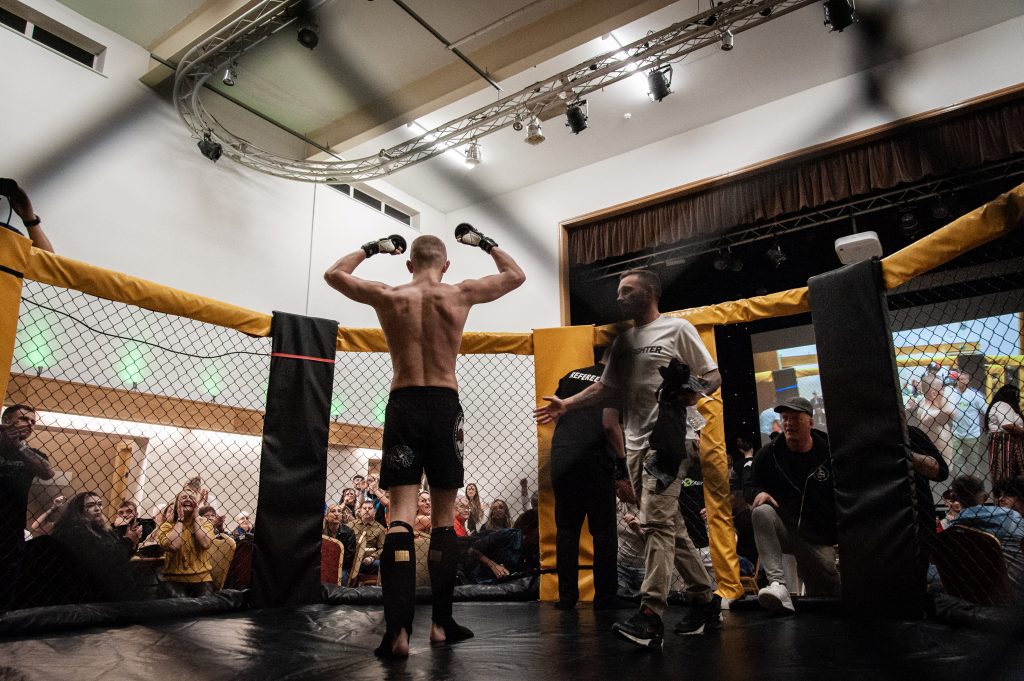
x,y
293,463
875,496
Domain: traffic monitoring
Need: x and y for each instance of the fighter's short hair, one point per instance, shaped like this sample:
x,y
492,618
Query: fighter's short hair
x,y
427,251
649,278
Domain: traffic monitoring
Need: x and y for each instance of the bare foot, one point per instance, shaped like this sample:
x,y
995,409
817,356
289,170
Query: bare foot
x,y
399,646
436,633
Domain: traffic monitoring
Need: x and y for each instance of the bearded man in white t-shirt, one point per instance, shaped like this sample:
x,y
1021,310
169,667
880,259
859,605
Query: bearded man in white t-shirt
x,y
636,358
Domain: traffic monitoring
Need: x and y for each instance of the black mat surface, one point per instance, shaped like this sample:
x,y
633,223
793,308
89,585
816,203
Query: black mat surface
x,y
513,641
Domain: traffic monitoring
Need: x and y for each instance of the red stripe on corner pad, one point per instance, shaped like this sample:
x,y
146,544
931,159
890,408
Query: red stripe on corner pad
x,y
311,359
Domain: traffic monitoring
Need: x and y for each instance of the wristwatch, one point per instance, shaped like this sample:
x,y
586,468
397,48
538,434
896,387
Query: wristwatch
x,y
33,222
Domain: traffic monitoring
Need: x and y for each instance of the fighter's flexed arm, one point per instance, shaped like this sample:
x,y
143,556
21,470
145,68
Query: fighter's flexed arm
x,y
339,275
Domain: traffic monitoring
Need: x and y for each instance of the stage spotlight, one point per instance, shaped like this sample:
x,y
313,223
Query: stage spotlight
x,y
309,31
908,223
776,255
939,209
839,14
766,12
210,149
229,75
517,124
721,261
735,263
474,154
659,82
576,116
728,40
534,133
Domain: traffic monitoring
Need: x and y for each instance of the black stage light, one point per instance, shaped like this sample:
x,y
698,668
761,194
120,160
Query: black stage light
x,y
776,255
721,261
576,116
210,149
309,31
908,223
839,14
659,82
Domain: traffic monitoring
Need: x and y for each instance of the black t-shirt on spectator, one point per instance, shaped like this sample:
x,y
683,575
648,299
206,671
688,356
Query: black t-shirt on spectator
x,y
15,480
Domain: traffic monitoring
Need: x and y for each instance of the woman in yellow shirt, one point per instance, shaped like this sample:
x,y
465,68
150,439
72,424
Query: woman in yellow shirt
x,y
186,538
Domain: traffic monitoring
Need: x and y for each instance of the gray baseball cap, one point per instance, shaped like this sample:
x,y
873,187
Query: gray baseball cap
x,y
796,404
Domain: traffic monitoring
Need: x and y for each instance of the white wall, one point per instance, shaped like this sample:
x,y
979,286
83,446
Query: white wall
x,y
953,72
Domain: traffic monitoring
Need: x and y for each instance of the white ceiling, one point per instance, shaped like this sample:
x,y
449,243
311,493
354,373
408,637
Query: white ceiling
x,y
376,69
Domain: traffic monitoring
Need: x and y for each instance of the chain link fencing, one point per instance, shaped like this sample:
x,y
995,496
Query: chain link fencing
x,y
142,418
500,460
958,334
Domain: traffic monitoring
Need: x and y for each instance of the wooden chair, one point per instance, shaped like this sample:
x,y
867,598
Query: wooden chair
x,y
332,555
357,578
222,552
972,566
749,582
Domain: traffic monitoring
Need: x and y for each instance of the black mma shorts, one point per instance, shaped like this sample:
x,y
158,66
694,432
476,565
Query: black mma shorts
x,y
422,432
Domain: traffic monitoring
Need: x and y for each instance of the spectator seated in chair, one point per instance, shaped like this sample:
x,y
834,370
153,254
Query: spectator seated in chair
x,y
127,515
335,528
462,517
1005,524
1009,493
243,527
101,557
507,553
499,518
371,534
421,526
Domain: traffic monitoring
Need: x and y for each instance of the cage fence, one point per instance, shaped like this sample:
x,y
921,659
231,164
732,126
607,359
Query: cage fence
x,y
144,418
500,460
958,336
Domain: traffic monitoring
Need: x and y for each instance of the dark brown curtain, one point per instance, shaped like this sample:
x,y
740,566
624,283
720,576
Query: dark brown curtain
x,y
942,145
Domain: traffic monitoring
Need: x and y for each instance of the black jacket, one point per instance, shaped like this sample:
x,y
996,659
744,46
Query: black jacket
x,y
800,483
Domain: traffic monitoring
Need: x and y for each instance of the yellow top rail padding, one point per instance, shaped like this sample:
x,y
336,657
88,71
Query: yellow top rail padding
x,y
58,270
999,216
473,343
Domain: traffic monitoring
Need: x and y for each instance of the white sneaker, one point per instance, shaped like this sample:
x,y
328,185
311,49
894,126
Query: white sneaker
x,y
775,597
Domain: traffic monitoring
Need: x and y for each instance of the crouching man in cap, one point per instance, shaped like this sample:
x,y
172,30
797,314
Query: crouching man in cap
x,y
790,491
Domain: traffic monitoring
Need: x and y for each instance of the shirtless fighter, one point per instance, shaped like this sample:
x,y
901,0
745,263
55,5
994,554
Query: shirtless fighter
x,y
422,322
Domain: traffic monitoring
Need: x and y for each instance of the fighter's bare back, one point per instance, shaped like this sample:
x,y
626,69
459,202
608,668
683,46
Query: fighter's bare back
x,y
423,324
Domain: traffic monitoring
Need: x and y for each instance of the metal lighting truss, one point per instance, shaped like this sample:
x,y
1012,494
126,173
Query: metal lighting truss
x,y
845,210
214,54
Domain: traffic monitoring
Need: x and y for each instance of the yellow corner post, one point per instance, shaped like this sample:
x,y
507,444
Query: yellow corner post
x,y
556,352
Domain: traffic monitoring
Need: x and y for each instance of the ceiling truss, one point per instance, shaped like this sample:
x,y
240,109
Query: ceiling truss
x,y
655,50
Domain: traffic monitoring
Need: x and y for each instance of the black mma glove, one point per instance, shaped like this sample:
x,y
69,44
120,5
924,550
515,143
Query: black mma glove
x,y
466,234
620,469
8,187
394,244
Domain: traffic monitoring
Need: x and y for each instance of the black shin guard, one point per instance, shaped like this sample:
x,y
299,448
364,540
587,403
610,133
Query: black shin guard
x,y
443,562
398,582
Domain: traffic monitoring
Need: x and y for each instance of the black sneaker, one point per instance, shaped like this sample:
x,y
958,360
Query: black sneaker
x,y
701,618
643,629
